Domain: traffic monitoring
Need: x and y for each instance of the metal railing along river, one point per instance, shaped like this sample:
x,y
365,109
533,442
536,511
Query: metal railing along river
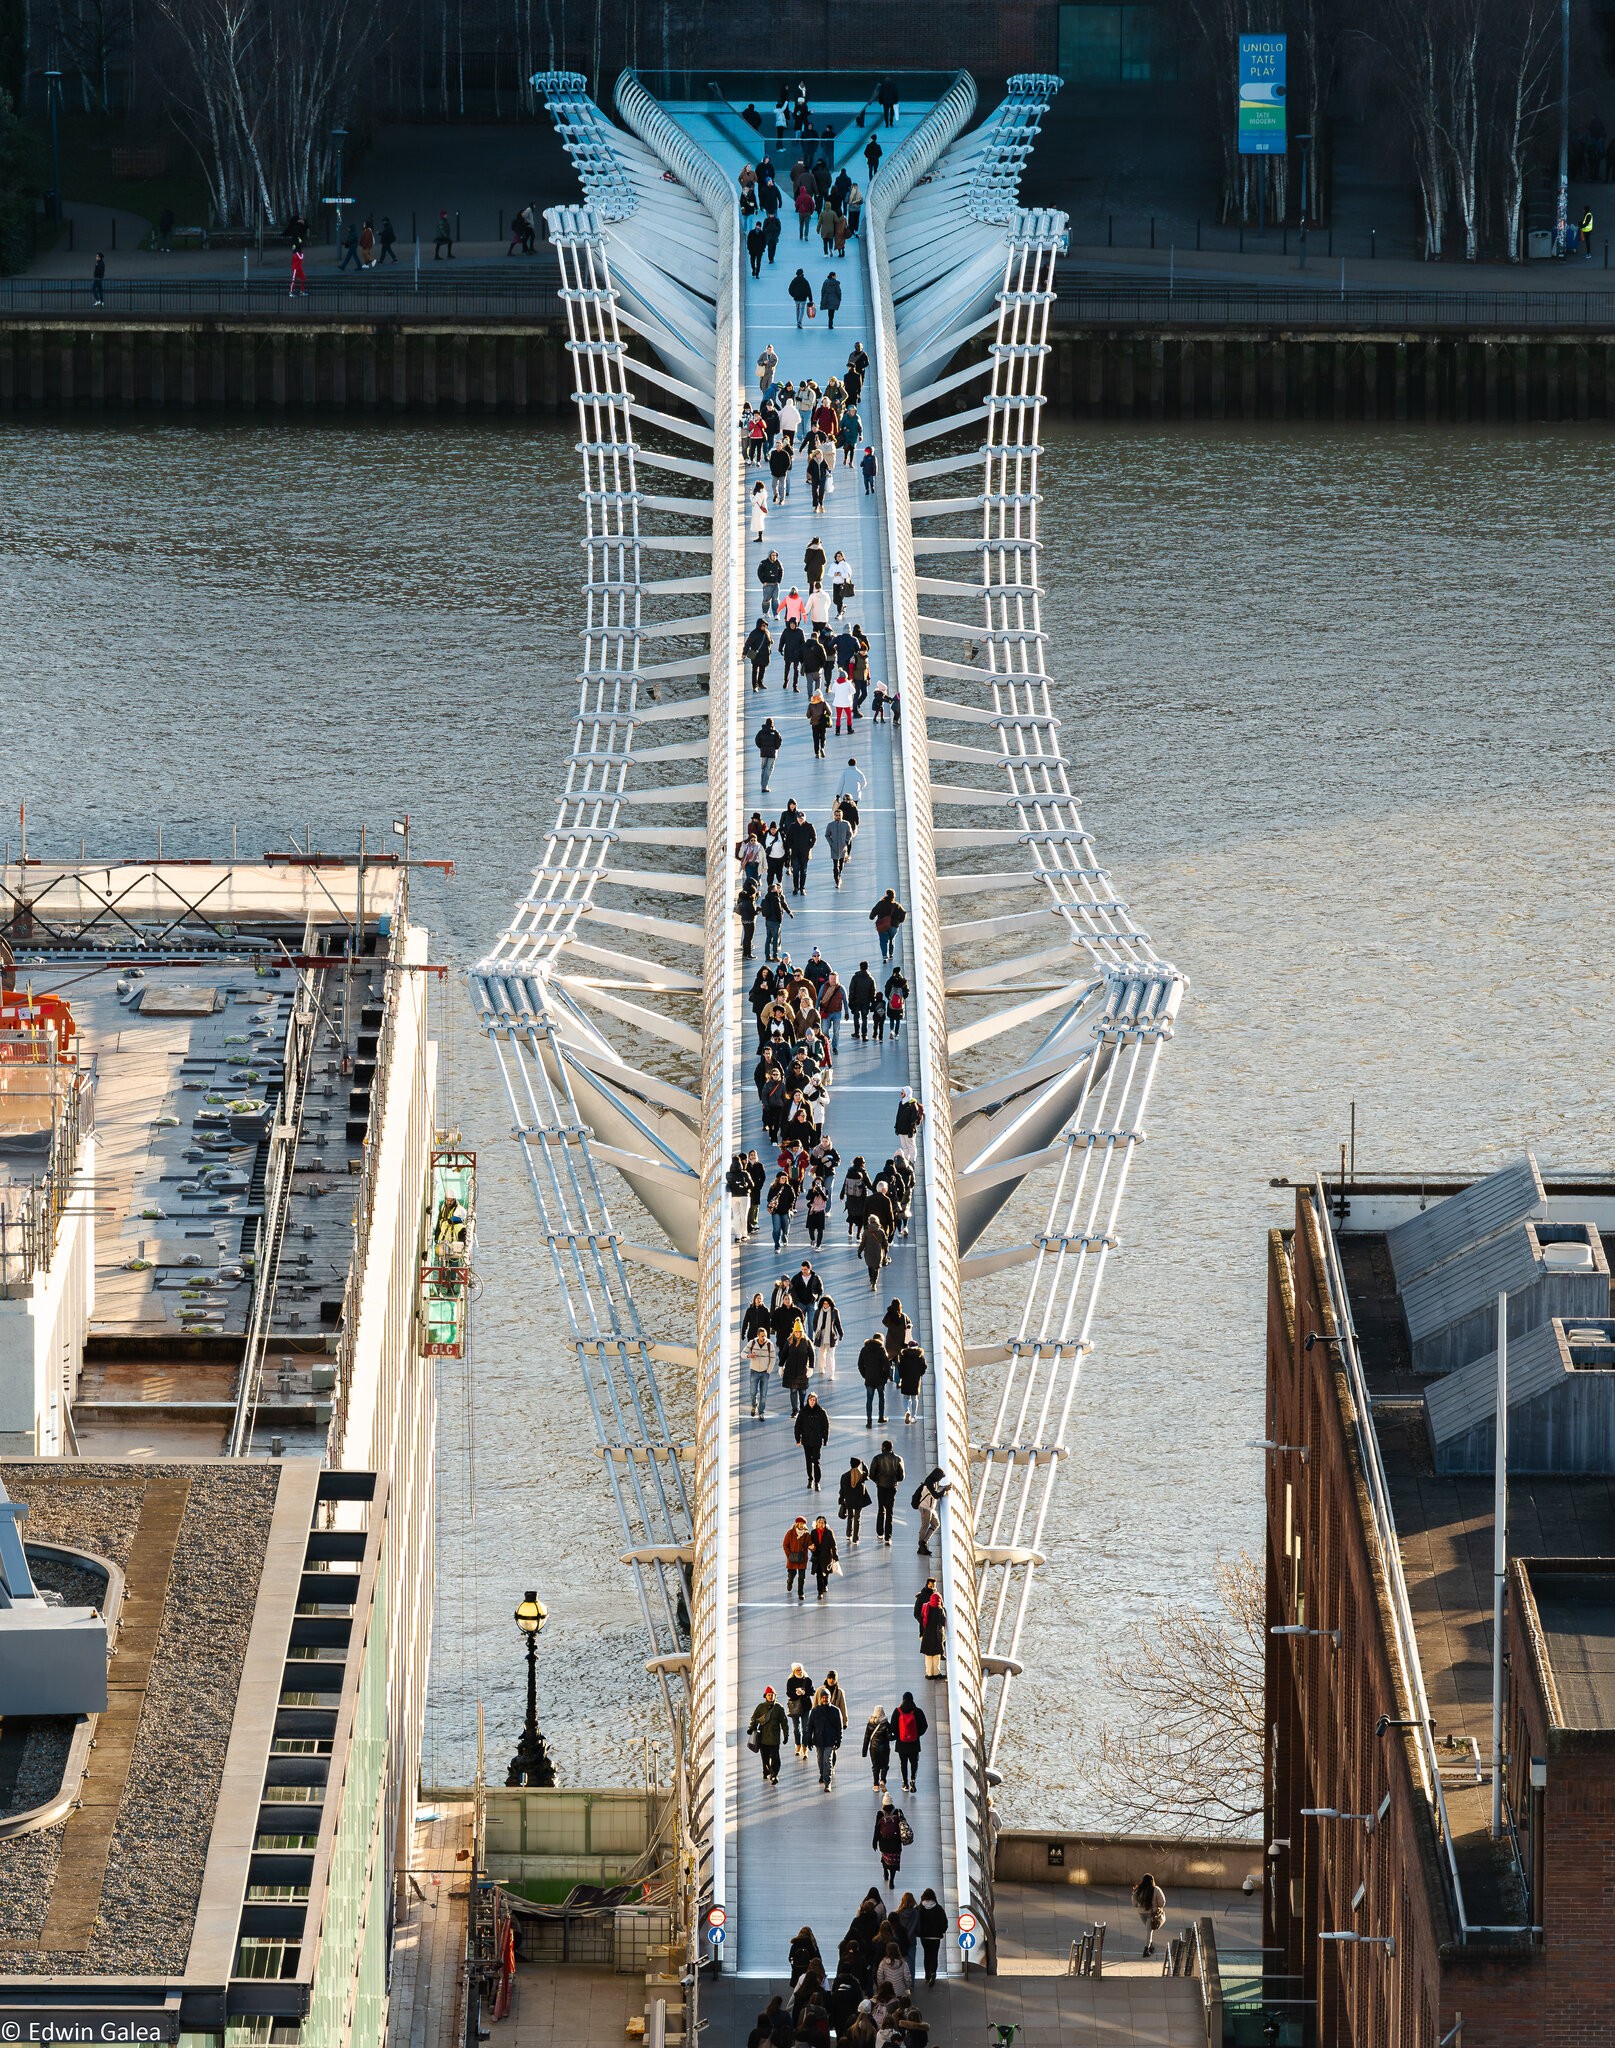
x,y
363,298
1084,302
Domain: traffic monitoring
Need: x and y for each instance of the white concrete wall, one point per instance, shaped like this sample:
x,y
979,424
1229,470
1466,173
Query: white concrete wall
x,y
391,1414
42,1332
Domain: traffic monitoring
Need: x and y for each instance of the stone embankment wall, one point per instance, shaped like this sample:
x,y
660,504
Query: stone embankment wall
x,y
263,364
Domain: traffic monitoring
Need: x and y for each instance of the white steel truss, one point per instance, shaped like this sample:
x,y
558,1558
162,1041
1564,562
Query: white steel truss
x,y
577,1016
965,261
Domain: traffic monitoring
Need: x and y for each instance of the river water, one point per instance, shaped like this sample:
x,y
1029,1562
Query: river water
x,y
1334,700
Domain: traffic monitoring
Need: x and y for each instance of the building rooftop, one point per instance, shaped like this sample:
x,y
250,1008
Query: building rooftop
x,y
1444,1523
115,1887
1576,1614
186,1864
226,1056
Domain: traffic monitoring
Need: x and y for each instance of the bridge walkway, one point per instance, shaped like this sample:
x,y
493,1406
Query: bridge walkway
x,y
801,1856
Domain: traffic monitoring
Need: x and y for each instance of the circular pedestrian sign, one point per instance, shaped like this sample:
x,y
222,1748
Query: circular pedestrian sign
x,y
717,1916
967,1922
967,1941
718,1935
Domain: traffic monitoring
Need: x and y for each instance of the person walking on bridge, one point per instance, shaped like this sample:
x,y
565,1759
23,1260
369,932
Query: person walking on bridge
x,y
756,246
759,650
767,364
892,1833
766,1731
812,1433
931,1926
872,156
934,1637
910,1115
861,993
878,1746
824,1731
444,237
799,1701
887,917
873,1244
838,837
770,575
796,1546
760,1361
885,1469
830,294
801,292
875,1370
827,1332
768,743
909,1724
796,1368
911,1371
774,909
822,1553
854,1498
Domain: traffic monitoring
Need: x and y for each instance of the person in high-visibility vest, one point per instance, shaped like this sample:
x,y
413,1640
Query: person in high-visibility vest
x,y
1587,234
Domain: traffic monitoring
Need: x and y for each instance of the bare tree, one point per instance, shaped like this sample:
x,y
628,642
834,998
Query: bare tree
x,y
259,82
1525,49
1192,1760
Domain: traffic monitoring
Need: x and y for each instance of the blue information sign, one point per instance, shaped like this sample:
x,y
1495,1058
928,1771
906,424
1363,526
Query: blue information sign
x,y
1261,96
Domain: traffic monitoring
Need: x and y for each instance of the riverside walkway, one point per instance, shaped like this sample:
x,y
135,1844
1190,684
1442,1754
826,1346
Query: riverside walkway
x,y
1036,1013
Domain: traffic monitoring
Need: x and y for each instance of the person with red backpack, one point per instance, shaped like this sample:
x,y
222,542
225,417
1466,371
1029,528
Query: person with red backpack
x,y
909,1725
892,1835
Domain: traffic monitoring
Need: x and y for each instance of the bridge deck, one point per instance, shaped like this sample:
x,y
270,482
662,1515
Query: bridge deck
x,y
800,1855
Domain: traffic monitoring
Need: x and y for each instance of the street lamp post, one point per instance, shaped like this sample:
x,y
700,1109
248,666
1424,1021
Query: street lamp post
x,y
1306,143
54,87
339,136
531,1764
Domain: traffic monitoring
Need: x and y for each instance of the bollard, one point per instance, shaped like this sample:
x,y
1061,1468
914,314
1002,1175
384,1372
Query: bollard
x,y
1372,252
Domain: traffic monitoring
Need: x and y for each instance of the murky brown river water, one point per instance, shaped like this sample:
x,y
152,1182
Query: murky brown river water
x,y
1339,705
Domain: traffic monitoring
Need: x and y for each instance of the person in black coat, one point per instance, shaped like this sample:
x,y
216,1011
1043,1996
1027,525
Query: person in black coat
x,y
854,1498
911,1371
909,1724
756,246
770,575
812,1433
792,646
830,298
768,742
886,1470
823,1553
806,1289
861,990
932,1929
875,1370
800,838
758,648
878,1746
824,1731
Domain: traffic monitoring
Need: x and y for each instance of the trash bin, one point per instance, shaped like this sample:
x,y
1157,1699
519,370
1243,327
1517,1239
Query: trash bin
x,y
1539,244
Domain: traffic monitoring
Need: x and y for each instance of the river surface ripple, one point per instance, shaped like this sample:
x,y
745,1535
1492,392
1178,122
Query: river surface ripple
x,y
1337,703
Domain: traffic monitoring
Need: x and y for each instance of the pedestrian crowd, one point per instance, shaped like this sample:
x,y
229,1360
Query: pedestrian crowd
x,y
865,1996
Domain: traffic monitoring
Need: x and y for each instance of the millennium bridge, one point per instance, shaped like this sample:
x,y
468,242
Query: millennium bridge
x,y
617,1000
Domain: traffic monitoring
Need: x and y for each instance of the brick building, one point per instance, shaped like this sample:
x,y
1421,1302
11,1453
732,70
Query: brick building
x,y
1393,1913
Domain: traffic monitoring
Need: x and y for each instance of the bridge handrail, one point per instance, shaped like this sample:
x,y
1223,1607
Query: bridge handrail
x,y
712,1730
970,1849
